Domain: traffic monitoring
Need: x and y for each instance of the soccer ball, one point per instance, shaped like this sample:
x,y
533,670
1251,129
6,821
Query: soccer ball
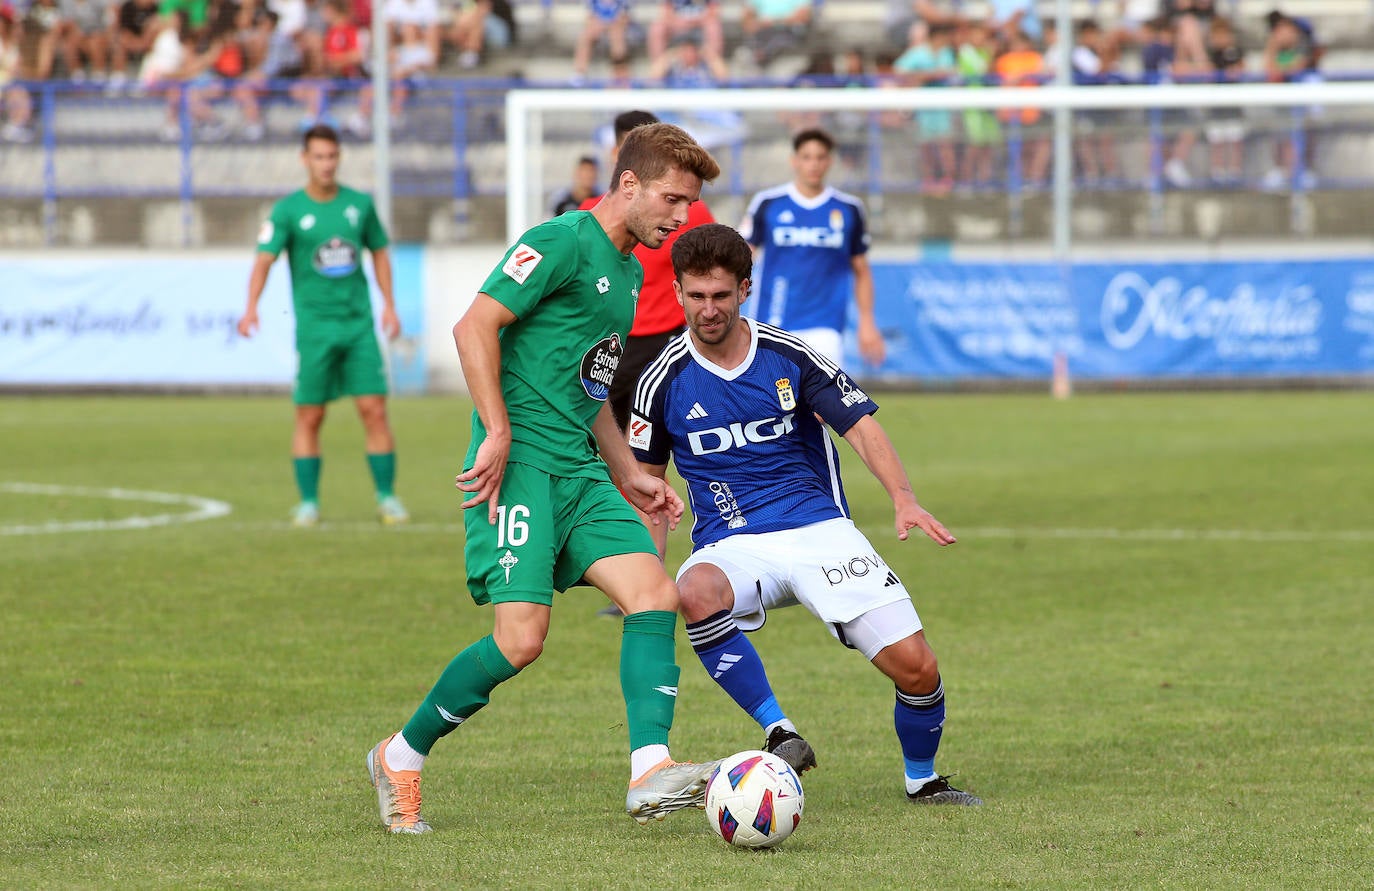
x,y
754,800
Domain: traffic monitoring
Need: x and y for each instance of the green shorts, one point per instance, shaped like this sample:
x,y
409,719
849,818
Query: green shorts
x,y
337,359
549,530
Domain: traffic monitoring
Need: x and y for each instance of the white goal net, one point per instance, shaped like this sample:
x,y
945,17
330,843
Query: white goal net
x,y
1171,162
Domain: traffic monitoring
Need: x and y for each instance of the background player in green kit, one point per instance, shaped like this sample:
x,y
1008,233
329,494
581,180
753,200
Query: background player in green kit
x,y
324,228
539,347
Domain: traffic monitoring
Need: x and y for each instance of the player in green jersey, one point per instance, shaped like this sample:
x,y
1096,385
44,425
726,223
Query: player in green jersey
x,y
539,347
324,228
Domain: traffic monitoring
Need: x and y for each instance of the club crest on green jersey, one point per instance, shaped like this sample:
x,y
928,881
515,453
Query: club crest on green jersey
x,y
598,366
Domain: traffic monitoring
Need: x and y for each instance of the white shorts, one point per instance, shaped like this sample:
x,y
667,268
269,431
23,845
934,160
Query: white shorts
x,y
830,568
826,341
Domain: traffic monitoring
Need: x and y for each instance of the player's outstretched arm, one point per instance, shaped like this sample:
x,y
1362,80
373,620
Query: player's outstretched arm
x,y
650,494
257,280
871,441
478,338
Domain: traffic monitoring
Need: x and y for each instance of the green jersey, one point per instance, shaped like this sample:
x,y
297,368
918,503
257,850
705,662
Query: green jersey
x,y
323,244
573,294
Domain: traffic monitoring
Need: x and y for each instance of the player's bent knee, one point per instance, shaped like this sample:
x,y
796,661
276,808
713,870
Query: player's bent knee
x,y
521,649
705,590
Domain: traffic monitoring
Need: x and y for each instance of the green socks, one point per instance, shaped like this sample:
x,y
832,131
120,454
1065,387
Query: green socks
x,y
383,467
648,676
308,477
463,688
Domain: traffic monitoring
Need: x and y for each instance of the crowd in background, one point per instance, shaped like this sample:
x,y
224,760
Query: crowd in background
x,y
199,54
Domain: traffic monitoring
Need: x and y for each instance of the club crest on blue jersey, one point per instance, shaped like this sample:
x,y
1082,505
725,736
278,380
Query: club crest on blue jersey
x,y
786,398
336,258
599,364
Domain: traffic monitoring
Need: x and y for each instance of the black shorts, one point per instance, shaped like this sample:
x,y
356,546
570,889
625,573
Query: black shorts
x,y
639,352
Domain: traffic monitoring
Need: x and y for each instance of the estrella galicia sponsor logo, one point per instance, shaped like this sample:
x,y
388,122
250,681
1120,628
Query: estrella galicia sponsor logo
x,y
726,505
852,569
598,366
737,435
336,258
852,395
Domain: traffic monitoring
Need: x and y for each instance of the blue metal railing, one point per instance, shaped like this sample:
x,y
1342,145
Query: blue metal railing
x,y
449,119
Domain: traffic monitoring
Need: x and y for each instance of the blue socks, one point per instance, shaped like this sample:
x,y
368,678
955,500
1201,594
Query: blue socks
x,y
732,662
920,721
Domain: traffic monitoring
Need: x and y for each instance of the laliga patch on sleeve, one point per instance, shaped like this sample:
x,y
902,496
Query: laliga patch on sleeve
x,y
641,431
521,262
266,231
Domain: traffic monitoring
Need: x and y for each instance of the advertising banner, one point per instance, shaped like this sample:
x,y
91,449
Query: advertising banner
x,y
163,321
946,320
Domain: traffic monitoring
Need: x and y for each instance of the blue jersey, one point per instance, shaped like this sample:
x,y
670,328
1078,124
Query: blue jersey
x,y
806,278
746,440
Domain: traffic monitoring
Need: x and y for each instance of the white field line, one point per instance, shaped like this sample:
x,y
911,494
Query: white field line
x,y
880,534
200,509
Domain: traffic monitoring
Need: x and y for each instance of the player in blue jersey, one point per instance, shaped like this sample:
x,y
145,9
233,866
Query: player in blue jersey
x,y
813,254
735,403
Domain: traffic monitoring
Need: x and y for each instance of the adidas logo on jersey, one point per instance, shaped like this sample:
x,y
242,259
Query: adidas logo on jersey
x,y
891,580
696,413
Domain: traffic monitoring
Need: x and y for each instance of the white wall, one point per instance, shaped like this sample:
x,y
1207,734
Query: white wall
x,y
453,276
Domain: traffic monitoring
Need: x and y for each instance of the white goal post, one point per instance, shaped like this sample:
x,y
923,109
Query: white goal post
x,y
528,111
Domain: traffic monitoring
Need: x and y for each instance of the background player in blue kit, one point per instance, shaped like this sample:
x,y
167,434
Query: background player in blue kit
x,y
735,403
813,243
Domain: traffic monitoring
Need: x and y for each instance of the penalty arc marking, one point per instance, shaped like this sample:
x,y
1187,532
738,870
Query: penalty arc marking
x,y
199,509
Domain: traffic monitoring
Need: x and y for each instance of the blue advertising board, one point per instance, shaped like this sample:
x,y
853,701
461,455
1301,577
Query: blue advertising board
x,y
1124,320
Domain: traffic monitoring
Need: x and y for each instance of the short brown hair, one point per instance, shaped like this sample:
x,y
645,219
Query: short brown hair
x,y
703,248
814,134
320,131
652,150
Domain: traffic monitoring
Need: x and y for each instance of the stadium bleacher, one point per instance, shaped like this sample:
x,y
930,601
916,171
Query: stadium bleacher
x,y
103,168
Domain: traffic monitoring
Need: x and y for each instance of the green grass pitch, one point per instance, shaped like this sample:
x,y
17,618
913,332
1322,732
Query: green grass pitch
x,y
1156,632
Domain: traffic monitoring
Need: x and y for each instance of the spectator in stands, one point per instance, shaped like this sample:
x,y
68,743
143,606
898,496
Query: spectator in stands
x,y
1094,64
422,14
83,37
195,14
1132,18
134,30
15,102
1022,65
696,19
1012,16
605,18
481,24
38,33
253,29
1225,127
284,59
687,65
1190,19
982,132
929,62
1159,66
180,65
411,63
1291,54
343,58
774,27
582,187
